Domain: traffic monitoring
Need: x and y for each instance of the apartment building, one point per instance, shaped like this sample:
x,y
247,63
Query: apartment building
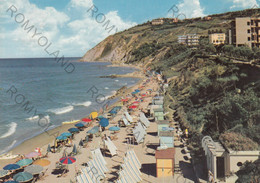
x,y
217,38
189,39
246,31
158,21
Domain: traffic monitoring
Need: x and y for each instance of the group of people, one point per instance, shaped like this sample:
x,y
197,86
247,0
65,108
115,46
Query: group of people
x,y
180,133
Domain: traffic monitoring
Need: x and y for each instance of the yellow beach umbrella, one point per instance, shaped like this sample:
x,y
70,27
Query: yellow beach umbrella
x,y
42,162
93,115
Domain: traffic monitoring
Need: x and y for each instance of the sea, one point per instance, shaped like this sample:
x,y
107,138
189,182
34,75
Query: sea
x,y
40,93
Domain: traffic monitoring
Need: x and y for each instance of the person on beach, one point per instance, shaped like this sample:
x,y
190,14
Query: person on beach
x,y
186,133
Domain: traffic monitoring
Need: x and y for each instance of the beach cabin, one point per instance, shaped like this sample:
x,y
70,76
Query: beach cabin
x,y
165,162
166,139
158,102
161,124
158,114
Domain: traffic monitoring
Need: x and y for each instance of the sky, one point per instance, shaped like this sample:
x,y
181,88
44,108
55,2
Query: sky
x,y
55,28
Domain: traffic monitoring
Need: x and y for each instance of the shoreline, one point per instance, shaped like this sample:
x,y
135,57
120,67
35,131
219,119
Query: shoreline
x,y
43,139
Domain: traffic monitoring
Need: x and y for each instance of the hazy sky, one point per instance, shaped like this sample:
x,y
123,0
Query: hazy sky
x,y
67,27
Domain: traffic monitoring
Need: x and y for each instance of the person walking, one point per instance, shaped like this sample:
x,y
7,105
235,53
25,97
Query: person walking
x,y
186,133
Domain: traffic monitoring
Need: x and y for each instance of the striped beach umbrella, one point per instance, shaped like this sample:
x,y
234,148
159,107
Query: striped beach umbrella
x,y
68,160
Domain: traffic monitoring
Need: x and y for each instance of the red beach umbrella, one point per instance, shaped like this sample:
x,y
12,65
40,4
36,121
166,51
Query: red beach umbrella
x,y
86,120
124,100
136,102
132,107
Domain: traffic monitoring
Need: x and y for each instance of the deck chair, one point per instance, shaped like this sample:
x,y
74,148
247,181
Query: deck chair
x,y
132,165
111,148
90,175
131,153
100,164
109,140
129,117
97,153
126,123
96,168
131,172
144,120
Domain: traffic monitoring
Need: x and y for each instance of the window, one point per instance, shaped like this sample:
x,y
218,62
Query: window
x,y
248,31
248,39
248,23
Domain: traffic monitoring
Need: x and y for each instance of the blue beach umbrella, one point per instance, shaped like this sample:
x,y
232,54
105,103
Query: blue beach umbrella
x,y
114,128
12,167
137,90
93,130
134,93
23,177
79,125
66,134
61,137
73,130
24,162
104,122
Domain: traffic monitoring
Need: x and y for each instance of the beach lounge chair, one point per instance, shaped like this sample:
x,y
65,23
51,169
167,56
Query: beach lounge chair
x,y
112,144
131,153
144,120
97,153
97,169
111,148
131,170
100,164
85,176
139,134
126,123
132,164
129,173
129,117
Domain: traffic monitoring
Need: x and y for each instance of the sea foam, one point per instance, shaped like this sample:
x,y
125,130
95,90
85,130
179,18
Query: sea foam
x,y
61,110
86,104
12,128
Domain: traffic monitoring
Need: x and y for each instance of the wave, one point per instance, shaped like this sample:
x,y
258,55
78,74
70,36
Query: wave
x,y
8,147
12,128
86,104
106,88
116,80
61,110
34,118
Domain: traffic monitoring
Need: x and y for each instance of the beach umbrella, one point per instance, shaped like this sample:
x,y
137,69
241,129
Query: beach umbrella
x,y
23,177
93,115
149,90
32,154
34,169
42,162
66,134
114,128
49,148
137,90
100,117
12,167
93,130
11,181
73,130
134,93
79,125
104,122
81,143
135,102
61,137
132,107
24,162
68,160
3,173
86,119
124,100
74,150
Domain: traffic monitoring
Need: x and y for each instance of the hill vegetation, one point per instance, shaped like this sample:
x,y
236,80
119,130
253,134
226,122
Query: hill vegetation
x,y
215,90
